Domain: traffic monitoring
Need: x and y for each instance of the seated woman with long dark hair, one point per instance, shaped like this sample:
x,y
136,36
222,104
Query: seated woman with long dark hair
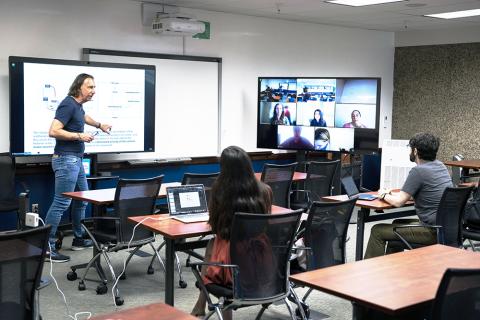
x,y
235,190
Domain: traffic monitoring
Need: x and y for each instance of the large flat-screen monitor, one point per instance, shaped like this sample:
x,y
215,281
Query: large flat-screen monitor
x,y
318,114
124,98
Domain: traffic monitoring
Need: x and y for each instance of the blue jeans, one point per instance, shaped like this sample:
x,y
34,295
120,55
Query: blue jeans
x,y
69,176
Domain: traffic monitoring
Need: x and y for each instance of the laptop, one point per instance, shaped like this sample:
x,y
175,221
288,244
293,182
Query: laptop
x,y
353,192
187,203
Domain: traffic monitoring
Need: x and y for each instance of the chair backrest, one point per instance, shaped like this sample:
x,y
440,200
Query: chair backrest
x,y
207,179
450,215
135,197
8,198
279,178
22,255
320,178
458,296
326,233
260,245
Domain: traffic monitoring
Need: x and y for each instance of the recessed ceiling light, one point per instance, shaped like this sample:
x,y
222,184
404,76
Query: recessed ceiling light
x,y
360,3
455,14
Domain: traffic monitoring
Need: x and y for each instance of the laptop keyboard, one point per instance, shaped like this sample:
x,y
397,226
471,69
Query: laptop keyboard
x,y
192,217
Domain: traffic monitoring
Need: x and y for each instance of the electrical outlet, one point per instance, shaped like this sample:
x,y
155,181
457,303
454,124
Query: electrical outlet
x,y
35,207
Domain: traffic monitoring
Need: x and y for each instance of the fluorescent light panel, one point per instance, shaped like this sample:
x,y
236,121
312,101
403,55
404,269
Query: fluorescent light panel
x,y
455,14
360,3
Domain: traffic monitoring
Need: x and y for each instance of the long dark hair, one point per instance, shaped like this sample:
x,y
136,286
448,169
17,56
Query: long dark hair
x,y
74,90
319,112
275,114
236,190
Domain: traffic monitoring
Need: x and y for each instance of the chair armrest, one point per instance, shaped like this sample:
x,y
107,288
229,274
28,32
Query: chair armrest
x,y
436,227
306,192
91,219
214,264
196,266
114,221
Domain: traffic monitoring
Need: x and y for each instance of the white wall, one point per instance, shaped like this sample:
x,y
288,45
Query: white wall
x,y
250,47
444,36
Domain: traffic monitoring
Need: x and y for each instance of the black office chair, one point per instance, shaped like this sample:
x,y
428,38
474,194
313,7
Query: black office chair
x,y
319,183
279,178
22,254
471,220
133,197
471,233
260,247
207,179
9,201
448,223
458,296
325,235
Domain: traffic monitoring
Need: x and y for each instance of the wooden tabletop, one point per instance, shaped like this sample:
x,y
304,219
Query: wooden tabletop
x,y
107,196
156,311
297,176
377,204
392,283
174,229
469,164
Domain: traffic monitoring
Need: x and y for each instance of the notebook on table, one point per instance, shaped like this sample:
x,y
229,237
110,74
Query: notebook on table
x,y
187,203
353,192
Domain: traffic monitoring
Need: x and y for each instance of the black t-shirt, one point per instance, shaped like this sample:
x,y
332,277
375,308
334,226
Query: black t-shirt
x,y
72,115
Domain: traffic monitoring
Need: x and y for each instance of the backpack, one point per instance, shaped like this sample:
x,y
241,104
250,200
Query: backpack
x,y
472,210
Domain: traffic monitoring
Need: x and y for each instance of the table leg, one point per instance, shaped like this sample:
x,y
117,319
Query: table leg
x,y
363,214
169,262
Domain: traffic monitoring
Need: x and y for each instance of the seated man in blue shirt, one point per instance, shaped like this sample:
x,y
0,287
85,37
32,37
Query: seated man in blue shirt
x,y
425,184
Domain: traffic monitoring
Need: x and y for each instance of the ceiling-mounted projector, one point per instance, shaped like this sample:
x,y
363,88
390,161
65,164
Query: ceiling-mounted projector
x,y
180,25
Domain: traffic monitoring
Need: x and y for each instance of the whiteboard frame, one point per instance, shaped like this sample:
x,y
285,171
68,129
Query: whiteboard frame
x,y
87,52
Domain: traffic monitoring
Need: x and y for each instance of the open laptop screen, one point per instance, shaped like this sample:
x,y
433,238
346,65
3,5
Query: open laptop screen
x,y
350,186
186,199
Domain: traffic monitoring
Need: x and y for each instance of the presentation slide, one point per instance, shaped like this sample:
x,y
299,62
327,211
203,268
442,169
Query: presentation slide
x,y
119,101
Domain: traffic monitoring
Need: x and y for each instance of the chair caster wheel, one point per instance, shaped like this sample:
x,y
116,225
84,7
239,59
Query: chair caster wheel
x,y
123,276
118,301
101,289
72,276
150,270
81,286
182,284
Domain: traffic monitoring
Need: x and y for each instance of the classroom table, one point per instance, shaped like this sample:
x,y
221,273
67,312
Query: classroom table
x,y
155,311
173,231
466,165
396,285
102,197
371,211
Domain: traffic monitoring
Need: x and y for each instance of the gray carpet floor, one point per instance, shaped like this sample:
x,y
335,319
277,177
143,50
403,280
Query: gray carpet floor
x,y
139,288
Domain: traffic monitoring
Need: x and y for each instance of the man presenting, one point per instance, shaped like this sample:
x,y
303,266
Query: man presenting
x,y
67,128
425,184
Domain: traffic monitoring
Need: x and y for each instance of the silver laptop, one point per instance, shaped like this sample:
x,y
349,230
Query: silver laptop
x,y
353,192
187,203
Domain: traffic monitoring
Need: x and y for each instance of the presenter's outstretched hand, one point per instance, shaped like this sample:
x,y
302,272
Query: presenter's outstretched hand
x,y
86,137
105,127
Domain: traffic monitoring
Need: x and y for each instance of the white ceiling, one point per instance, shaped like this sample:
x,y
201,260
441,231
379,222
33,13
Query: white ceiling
x,y
401,16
